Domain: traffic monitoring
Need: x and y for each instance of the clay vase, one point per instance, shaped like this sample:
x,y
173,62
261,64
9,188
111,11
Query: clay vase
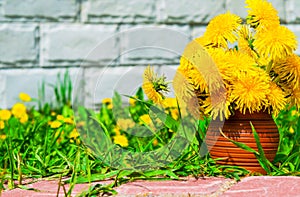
x,y
238,128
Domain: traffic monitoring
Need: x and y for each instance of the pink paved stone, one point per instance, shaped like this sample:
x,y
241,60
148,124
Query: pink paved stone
x,y
265,186
202,186
47,188
210,186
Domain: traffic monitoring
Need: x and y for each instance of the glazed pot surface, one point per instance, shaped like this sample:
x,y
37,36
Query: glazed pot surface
x,y
238,128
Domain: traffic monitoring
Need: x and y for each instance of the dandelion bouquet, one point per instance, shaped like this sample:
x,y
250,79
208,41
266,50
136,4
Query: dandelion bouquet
x,y
255,60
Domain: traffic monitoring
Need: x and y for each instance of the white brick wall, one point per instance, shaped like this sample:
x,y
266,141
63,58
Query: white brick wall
x,y
18,45
39,39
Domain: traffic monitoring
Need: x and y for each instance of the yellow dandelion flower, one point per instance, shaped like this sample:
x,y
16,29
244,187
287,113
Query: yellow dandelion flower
x,y
291,130
53,113
107,102
60,117
245,32
193,108
132,101
288,70
145,119
203,41
222,28
117,130
294,113
244,41
174,113
197,65
24,97
18,110
74,134
2,124
183,89
261,14
295,97
244,47
155,142
68,120
5,114
125,124
169,103
249,92
276,98
234,63
24,118
154,86
217,106
2,136
55,124
276,44
121,140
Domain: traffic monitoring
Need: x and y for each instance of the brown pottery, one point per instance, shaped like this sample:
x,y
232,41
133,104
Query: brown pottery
x,y
238,128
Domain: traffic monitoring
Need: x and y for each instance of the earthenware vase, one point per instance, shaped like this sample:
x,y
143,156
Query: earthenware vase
x,y
238,128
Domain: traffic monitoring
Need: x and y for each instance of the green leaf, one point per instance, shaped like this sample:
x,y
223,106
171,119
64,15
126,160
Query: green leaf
x,y
167,120
261,157
96,177
240,145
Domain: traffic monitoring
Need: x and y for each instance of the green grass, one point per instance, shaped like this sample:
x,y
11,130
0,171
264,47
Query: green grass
x,y
38,149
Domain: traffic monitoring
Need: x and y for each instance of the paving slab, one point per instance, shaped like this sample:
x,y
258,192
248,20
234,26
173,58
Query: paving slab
x,y
206,186
265,186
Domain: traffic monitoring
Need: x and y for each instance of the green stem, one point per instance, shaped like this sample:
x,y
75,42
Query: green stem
x,y
269,67
11,165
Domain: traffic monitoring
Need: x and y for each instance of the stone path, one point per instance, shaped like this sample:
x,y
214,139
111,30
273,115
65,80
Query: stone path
x,y
208,186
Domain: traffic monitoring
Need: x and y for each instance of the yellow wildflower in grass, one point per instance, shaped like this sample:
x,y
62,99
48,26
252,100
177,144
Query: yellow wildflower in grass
x,y
74,134
24,118
5,114
68,120
121,140
155,142
2,136
107,102
18,110
249,92
60,117
132,101
80,124
55,124
53,113
145,119
294,113
125,124
288,70
291,130
174,113
2,124
275,44
154,86
261,14
117,130
276,98
24,97
222,28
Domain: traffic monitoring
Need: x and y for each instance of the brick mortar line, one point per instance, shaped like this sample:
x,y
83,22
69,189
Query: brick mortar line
x,y
224,187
